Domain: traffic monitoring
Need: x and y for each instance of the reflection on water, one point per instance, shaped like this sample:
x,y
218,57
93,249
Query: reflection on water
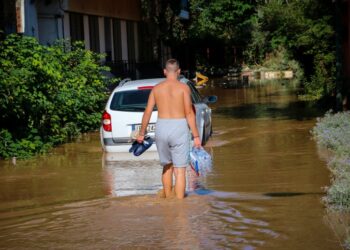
x,y
264,191
124,178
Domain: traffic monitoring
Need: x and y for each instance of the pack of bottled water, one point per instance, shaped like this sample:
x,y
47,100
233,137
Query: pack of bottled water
x,y
201,161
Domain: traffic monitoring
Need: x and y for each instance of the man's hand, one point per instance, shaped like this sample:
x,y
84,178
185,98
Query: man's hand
x,y
140,138
197,142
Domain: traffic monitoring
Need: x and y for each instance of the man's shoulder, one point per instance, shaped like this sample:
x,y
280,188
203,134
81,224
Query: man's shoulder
x,y
159,85
178,83
183,86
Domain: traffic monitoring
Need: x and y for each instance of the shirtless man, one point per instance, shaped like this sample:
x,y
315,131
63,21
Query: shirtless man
x,y
175,115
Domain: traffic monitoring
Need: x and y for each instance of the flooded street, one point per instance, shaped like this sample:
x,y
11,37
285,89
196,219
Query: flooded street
x,y
264,191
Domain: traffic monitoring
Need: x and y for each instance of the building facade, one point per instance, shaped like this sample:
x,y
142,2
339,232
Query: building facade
x,y
106,26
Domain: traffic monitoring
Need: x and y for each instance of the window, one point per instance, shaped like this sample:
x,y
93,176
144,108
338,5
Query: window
x,y
196,97
108,39
132,100
131,40
117,40
94,34
76,27
8,17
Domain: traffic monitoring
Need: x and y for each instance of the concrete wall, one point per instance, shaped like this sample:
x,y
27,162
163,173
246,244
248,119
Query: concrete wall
x,y
44,20
31,19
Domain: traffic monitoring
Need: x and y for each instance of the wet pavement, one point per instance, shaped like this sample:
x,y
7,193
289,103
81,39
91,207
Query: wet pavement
x,y
264,191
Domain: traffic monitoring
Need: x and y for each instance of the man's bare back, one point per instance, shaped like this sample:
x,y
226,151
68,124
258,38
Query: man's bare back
x,y
169,97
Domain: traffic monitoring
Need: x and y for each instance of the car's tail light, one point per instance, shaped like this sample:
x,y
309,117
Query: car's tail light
x,y
106,121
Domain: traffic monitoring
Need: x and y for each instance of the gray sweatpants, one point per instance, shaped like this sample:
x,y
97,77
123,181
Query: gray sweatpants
x,y
173,142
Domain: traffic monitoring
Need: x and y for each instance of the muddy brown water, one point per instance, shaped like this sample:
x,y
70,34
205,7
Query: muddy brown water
x,y
263,193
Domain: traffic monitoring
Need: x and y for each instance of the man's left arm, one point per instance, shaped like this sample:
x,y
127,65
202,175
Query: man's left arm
x,y
146,116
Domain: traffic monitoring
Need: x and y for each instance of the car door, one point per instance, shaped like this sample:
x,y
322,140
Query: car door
x,y
203,118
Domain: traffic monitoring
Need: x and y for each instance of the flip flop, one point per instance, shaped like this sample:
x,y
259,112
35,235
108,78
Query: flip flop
x,y
139,148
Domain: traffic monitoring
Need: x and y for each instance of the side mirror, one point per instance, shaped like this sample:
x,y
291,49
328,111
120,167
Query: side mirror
x,y
210,99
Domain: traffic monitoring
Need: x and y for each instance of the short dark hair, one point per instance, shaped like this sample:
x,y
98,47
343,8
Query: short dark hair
x,y
172,64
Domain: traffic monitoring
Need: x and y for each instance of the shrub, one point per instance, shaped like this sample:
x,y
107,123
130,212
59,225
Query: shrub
x,y
338,194
333,132
49,94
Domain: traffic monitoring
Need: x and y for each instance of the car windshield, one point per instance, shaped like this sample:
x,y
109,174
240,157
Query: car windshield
x,y
132,100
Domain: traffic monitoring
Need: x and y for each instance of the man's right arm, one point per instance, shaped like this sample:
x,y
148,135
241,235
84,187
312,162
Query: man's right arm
x,y
146,117
191,117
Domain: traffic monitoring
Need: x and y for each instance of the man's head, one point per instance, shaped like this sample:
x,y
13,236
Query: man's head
x,y
172,68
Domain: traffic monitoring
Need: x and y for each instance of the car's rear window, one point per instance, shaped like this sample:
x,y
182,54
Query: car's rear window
x,y
132,100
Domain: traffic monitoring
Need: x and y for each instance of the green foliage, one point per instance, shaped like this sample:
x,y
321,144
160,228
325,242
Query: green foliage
x,y
333,132
305,29
280,60
275,34
338,194
23,148
48,94
347,243
321,83
229,20
164,14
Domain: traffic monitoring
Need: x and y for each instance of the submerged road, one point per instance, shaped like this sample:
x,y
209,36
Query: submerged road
x,y
264,192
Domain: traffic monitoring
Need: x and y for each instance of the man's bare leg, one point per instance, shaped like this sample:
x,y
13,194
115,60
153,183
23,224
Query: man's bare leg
x,y
167,179
180,182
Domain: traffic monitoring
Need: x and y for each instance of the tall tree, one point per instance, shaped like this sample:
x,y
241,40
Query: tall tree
x,y
229,20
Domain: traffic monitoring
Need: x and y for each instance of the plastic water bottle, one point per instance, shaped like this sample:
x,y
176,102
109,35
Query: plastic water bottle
x,y
201,161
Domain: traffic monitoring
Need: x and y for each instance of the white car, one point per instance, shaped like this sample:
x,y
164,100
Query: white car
x,y
125,107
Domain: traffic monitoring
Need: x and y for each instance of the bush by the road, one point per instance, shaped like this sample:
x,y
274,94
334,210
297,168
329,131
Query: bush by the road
x,y
333,132
49,94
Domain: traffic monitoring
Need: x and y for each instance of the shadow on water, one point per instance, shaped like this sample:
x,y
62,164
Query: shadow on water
x,y
203,191
291,194
296,110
